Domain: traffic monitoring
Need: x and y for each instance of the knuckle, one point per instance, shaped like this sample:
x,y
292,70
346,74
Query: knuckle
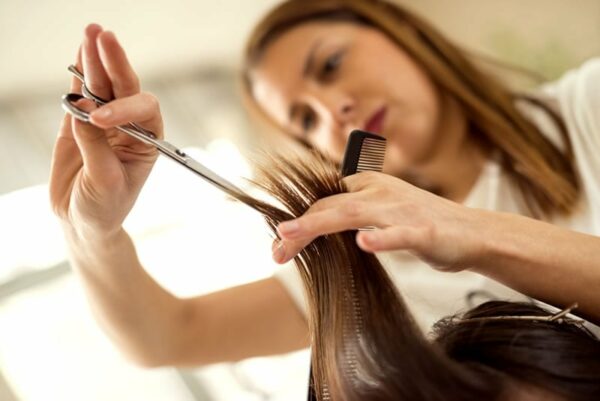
x,y
381,192
151,99
369,176
316,207
405,210
428,231
353,208
351,181
98,89
128,86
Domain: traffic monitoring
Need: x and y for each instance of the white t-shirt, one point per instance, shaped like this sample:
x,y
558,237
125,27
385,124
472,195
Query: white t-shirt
x,y
431,294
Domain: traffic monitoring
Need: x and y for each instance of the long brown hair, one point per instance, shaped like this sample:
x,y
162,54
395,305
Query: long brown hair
x,y
544,174
366,345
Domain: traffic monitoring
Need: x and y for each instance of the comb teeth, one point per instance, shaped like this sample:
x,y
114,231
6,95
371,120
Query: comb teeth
x,y
372,154
364,152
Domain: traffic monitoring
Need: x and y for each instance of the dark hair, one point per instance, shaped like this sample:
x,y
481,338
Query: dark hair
x,y
562,357
366,345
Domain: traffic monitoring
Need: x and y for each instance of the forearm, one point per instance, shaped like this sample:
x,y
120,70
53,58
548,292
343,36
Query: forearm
x,y
549,263
139,315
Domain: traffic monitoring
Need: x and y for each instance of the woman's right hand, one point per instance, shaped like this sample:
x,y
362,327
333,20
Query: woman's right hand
x,y
97,171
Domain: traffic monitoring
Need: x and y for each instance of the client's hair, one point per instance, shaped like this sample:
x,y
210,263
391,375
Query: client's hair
x,y
366,345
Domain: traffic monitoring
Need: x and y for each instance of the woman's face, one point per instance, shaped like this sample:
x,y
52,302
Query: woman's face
x,y
320,80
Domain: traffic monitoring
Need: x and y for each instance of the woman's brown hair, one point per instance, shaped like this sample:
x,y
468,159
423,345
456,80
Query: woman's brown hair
x,y
544,174
366,345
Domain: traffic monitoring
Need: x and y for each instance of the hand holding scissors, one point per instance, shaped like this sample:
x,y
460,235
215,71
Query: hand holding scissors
x,y
98,171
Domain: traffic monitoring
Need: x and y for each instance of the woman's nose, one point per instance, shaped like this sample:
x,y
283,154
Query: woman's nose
x,y
339,107
339,119
344,119
343,110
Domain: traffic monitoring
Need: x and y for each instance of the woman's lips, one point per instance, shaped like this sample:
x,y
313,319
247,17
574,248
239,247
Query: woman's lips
x,y
375,123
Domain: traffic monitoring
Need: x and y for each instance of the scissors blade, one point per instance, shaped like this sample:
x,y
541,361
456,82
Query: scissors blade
x,y
195,166
165,148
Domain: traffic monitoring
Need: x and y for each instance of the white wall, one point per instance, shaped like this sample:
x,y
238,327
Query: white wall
x,y
39,38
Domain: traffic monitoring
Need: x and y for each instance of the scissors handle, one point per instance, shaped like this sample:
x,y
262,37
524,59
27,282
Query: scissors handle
x,y
100,101
143,135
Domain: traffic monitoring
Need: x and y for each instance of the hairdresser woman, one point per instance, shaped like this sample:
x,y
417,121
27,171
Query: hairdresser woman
x,y
496,187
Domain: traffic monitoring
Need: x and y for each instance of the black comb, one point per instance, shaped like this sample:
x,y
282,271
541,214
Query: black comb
x,y
364,152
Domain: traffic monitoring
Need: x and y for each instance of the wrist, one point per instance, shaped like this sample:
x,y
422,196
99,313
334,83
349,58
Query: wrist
x,y
484,226
495,235
82,236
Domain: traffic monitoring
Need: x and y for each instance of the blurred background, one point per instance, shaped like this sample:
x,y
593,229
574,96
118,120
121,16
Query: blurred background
x,y
187,53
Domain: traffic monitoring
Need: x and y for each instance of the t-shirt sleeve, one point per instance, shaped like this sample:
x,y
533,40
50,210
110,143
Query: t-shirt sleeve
x,y
290,279
578,96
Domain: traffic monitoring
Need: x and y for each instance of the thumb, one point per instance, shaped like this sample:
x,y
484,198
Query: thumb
x,y
99,159
285,250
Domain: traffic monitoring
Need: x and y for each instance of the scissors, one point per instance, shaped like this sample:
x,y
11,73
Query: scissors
x,y
143,135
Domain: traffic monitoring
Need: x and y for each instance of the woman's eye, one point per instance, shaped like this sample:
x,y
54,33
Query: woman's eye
x,y
331,64
308,121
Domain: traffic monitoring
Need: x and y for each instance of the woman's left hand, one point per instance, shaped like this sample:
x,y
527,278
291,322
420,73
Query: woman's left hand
x,y
445,234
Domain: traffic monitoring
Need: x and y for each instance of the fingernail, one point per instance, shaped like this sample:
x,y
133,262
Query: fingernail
x,y
369,238
102,113
289,227
279,252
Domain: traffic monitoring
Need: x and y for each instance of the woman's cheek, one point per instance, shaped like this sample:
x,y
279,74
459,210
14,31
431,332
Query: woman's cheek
x,y
411,140
395,161
425,137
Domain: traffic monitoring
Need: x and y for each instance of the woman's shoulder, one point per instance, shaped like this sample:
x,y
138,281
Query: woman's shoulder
x,y
577,95
581,79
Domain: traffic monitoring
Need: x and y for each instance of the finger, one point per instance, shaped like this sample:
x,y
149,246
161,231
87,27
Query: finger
x,y
324,204
278,251
333,201
349,214
66,158
360,181
96,78
66,162
66,155
140,108
99,160
392,238
122,76
65,128
326,222
284,250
